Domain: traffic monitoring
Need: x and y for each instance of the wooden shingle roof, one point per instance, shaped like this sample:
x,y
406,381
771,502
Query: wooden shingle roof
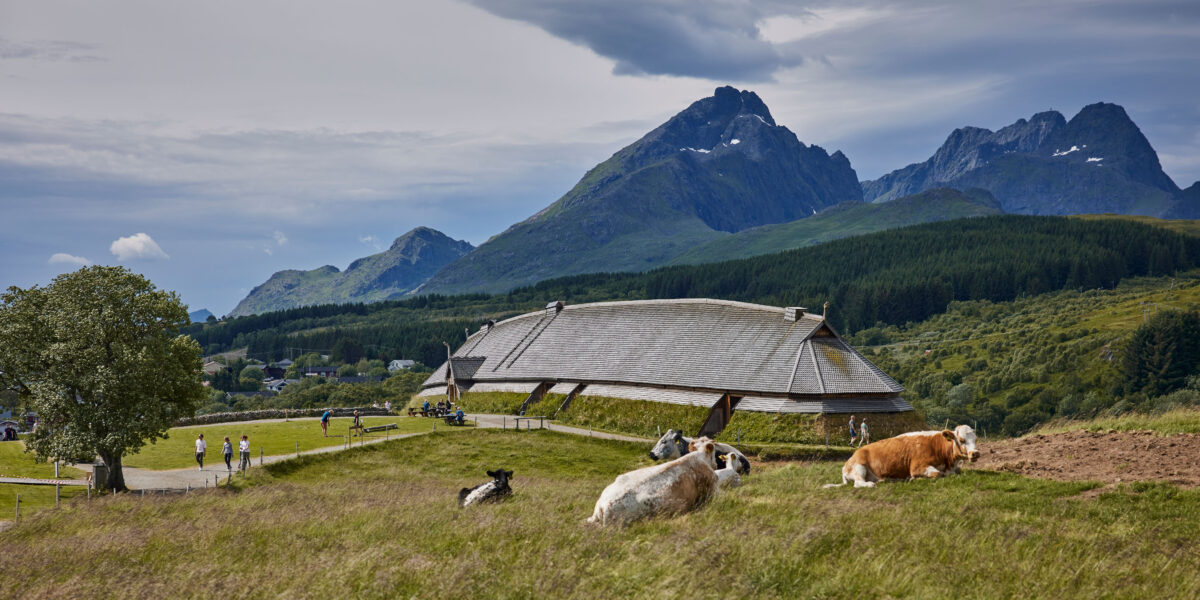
x,y
693,345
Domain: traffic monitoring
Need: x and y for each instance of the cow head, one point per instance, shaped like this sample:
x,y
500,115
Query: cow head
x,y
670,445
707,448
501,478
958,450
966,437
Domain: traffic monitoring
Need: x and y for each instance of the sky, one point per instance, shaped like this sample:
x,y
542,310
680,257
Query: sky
x,y
207,145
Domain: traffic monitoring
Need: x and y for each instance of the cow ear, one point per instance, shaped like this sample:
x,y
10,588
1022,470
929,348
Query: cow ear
x,y
492,473
508,474
949,435
709,448
678,436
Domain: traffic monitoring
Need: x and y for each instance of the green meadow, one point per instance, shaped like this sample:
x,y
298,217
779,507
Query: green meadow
x,y
381,521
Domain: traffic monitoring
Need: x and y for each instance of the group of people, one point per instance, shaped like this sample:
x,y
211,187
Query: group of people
x,y
441,409
226,451
861,434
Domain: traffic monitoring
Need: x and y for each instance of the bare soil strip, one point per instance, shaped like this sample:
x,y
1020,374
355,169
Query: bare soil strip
x,y
1112,457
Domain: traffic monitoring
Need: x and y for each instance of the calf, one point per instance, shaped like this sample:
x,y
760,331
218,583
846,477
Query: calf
x,y
728,475
903,457
492,491
674,444
670,488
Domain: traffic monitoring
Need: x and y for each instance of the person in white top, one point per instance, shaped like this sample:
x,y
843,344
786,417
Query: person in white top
x,y
865,438
244,448
201,448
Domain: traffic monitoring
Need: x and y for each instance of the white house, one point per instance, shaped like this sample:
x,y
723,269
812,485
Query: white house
x,y
400,365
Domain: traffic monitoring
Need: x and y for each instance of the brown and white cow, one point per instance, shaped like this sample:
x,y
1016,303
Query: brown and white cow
x,y
966,436
920,454
673,487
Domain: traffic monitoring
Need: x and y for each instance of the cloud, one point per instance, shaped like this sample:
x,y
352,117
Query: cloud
x,y
713,39
47,50
138,245
371,241
62,258
280,239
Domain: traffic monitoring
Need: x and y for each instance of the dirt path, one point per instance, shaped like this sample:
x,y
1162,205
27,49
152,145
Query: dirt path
x,y
1115,457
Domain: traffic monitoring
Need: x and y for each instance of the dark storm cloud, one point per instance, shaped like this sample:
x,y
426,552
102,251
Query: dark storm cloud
x,y
711,39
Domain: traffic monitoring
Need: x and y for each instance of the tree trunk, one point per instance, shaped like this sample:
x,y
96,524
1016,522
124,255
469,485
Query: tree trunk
x,y
116,478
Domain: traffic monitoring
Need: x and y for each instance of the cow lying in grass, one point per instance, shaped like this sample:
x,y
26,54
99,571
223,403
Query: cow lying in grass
x,y
670,488
921,454
727,476
492,491
966,436
674,444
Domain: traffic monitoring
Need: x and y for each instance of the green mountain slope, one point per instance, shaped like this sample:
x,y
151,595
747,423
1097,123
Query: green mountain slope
x,y
412,258
721,165
845,220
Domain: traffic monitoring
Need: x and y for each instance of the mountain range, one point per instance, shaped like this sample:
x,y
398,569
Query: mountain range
x,y
721,165
412,259
1098,162
722,180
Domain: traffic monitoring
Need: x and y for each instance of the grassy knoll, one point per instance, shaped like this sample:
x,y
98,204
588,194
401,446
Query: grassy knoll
x,y
1181,420
15,462
279,437
381,522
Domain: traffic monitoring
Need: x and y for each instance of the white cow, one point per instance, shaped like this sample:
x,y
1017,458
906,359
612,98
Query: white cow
x,y
670,488
727,477
674,444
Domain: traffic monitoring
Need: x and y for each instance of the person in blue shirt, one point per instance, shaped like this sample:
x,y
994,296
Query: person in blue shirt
x,y
325,422
425,407
459,415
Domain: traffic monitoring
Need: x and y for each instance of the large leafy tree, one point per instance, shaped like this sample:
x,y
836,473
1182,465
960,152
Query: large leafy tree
x,y
97,354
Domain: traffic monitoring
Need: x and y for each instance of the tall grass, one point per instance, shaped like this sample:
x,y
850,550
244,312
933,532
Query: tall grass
x,y
382,522
1180,420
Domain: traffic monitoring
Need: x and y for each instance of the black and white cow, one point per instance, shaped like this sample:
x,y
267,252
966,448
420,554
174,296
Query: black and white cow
x,y
492,491
674,444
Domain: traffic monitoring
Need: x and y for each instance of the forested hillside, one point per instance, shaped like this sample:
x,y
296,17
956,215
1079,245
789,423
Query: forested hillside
x,y
1024,318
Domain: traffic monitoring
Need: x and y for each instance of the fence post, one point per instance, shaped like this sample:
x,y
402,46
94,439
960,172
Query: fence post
x,y
57,493
260,459
216,480
56,468
297,449
739,435
503,423
18,507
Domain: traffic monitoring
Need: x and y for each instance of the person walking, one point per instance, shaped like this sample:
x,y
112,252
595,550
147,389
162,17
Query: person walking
x,y
853,431
357,423
201,448
244,449
227,452
865,437
325,422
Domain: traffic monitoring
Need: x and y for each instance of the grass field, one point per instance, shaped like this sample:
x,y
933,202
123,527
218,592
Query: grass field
x,y
278,437
15,462
381,522
1182,420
